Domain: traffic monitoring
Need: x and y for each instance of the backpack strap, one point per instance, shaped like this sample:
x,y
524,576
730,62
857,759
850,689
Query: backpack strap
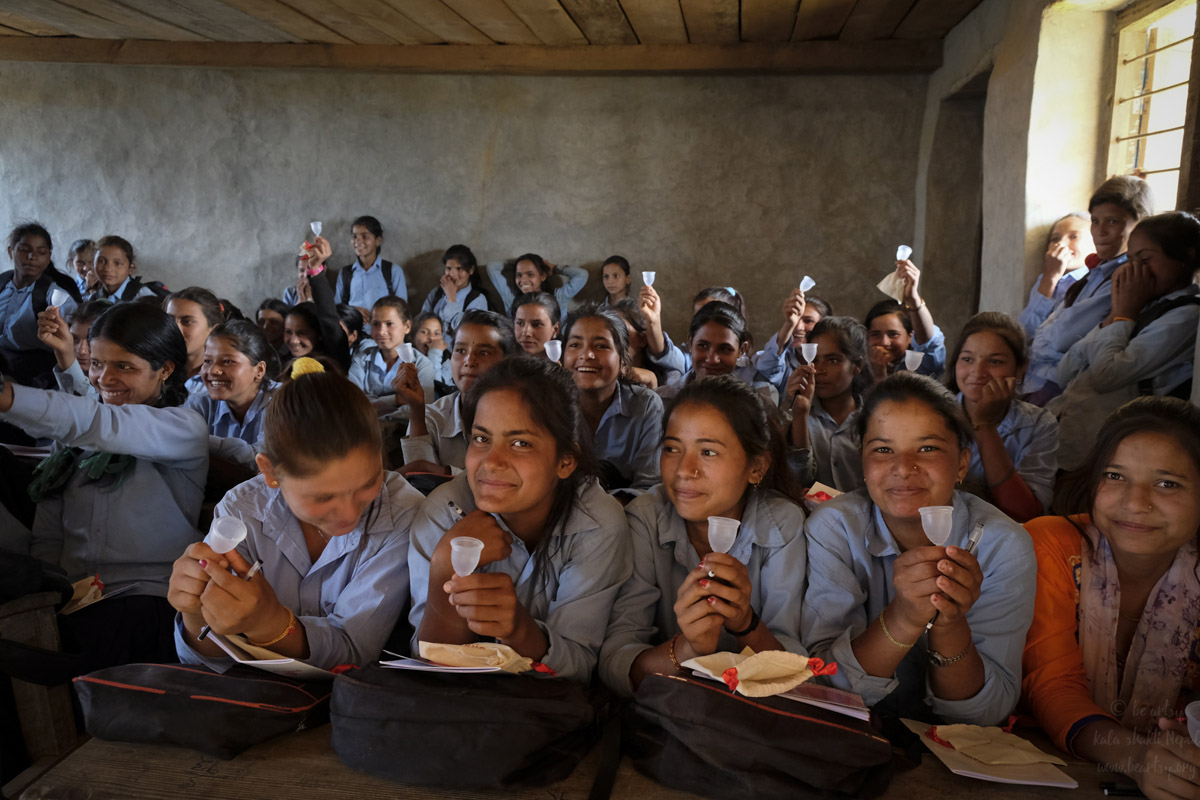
x,y
6,278
343,283
387,275
131,289
1146,385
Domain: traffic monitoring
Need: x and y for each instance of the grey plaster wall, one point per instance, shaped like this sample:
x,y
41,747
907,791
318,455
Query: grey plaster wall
x,y
214,174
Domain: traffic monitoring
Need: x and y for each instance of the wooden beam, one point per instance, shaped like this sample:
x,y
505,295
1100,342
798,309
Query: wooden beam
x,y
29,25
656,21
806,57
288,20
875,19
768,20
549,21
7,31
131,24
495,19
212,19
1188,196
933,19
602,21
821,19
711,21
440,20
340,21
382,17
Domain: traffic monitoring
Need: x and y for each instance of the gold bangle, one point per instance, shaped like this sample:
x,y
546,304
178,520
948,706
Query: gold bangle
x,y
1122,319
291,626
671,653
883,627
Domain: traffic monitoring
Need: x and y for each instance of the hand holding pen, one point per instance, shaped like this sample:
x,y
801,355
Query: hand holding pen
x,y
224,596
972,545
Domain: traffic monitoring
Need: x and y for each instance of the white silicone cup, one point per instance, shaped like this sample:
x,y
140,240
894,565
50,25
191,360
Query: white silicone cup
x,y
316,227
937,522
808,351
406,353
464,554
225,534
903,252
554,349
807,283
648,278
722,531
58,297
913,359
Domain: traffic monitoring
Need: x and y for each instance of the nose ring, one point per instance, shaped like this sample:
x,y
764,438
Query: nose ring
x,y
696,473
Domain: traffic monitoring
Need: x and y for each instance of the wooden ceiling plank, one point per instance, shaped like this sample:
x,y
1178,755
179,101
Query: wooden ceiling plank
x,y
548,21
495,19
875,19
821,19
340,21
287,19
7,31
28,25
383,17
440,20
656,21
820,57
711,21
135,24
602,21
768,20
67,19
211,18
933,19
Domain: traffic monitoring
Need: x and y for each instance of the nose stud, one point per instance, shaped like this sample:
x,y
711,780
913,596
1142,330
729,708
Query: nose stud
x,y
696,474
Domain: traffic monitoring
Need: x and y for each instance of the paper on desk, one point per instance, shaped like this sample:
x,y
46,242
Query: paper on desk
x,y
245,653
764,674
91,590
1022,774
892,286
992,745
421,665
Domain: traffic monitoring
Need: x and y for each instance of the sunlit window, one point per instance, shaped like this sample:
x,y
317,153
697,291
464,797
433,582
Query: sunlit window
x,y
1150,103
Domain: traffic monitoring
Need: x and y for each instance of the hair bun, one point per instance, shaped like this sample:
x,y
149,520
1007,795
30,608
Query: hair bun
x,y
306,366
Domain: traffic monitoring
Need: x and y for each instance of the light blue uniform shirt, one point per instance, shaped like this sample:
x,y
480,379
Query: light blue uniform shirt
x,y
446,442
1030,437
368,285
132,534
572,597
99,294
776,366
769,542
850,557
670,366
747,374
629,435
835,448
369,372
934,362
1039,306
451,313
350,599
73,380
18,320
195,386
1066,326
228,438
573,279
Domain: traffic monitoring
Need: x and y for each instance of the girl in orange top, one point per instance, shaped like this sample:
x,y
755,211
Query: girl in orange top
x,y
1114,648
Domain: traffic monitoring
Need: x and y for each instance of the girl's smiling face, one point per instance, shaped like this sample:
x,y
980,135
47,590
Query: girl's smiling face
x,y
590,354
528,278
533,328
228,374
705,469
888,331
459,275
984,356
388,328
124,378
113,267
298,336
715,350
365,244
335,497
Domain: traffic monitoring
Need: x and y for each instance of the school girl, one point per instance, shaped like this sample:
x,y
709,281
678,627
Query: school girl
x,y
68,338
436,440
717,339
624,419
614,274
114,268
329,526
269,317
661,356
80,259
196,311
876,581
1115,208
239,373
1146,343
530,274
642,370
556,547
893,329
351,320
314,328
459,290
1065,262
536,319
375,369
427,338
722,456
782,353
825,398
26,291
1014,457
121,495
370,277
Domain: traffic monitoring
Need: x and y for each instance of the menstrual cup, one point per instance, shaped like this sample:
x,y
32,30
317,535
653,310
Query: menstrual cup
x,y
464,554
808,351
913,359
554,350
903,252
721,533
648,278
937,521
316,228
1192,712
225,534
807,283
406,354
58,297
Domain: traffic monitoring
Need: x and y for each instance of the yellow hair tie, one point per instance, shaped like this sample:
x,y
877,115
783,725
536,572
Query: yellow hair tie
x,y
306,366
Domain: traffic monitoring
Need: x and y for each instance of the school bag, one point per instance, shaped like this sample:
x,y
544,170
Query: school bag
x,y
698,736
218,714
1146,385
464,731
344,276
135,285
41,287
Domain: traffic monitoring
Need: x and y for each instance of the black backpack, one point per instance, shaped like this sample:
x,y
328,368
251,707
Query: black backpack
x,y
51,277
135,285
1146,385
345,274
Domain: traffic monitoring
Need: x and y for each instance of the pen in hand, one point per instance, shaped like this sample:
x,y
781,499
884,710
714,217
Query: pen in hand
x,y
207,629
972,543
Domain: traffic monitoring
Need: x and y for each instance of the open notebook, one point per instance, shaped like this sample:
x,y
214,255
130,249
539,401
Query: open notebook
x,y
243,652
1023,774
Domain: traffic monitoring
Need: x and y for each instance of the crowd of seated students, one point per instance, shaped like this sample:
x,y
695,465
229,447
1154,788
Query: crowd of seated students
x,y
587,450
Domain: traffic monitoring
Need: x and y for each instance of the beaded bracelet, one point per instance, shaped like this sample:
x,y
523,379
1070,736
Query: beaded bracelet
x,y
291,626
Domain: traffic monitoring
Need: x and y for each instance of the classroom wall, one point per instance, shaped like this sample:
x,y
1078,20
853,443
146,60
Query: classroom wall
x,y
215,174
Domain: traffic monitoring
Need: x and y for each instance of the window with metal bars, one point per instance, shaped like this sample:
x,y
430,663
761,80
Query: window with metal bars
x,y
1150,101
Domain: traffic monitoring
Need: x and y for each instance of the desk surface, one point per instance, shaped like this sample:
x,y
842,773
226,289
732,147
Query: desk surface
x,y
303,765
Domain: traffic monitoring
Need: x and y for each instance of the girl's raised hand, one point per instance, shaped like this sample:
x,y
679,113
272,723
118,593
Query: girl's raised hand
x,y
911,276
699,622
55,334
649,302
407,386
320,252
793,308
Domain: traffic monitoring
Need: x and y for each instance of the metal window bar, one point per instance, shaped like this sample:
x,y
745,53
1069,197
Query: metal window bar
x,y
1149,53
1151,133
1158,171
1151,92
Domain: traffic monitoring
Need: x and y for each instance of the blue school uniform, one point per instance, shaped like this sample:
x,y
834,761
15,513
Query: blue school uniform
x,y
748,374
227,438
776,366
629,434
836,458
19,342
933,363
131,532
570,597
850,558
1039,306
195,385
368,285
451,313
369,372
73,380
446,442
116,297
1030,437
769,542
574,279
350,599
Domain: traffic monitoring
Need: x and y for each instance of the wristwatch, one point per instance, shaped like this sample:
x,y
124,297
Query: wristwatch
x,y
936,659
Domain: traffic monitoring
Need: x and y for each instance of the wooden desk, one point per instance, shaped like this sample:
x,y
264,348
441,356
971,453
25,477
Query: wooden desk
x,y
303,765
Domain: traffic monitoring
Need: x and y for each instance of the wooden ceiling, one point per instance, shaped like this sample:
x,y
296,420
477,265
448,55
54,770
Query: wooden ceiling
x,y
488,35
